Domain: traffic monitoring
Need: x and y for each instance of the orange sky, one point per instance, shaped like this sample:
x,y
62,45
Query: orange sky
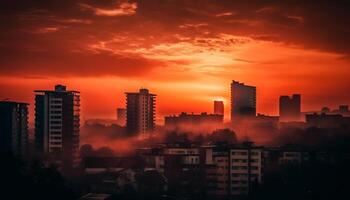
x,y
186,52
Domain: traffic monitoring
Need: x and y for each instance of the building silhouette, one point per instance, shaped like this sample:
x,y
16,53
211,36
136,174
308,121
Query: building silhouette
x,y
219,107
243,100
121,116
194,120
223,169
327,120
342,110
140,112
57,125
13,128
290,108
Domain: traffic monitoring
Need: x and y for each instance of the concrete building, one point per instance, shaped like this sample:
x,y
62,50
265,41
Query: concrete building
x,y
327,120
225,169
111,174
219,108
121,116
246,169
57,125
189,120
342,110
243,101
13,127
140,112
239,167
290,108
221,161
288,155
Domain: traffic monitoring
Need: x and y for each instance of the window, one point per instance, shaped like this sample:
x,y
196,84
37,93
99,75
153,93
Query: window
x,y
56,143
56,117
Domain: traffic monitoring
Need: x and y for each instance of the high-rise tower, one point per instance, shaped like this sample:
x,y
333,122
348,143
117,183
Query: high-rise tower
x,y
140,112
13,128
290,108
219,107
57,125
243,100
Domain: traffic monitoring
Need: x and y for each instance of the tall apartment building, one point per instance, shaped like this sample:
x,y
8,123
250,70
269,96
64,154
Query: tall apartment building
x,y
243,100
290,108
13,128
219,108
221,161
238,167
140,112
246,168
57,125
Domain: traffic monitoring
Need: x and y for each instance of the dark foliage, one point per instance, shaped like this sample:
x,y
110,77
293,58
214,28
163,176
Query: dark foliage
x,y
20,180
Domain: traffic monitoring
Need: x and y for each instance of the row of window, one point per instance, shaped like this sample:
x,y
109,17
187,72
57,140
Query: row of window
x,y
244,160
244,167
243,175
244,153
56,122
56,143
239,182
239,189
55,127
55,117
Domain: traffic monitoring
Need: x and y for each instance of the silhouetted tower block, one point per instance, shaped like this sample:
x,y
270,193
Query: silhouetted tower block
x,y
243,100
219,107
57,125
14,128
290,108
121,116
140,112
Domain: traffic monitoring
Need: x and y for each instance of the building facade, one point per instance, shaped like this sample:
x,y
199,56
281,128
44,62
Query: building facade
x,y
140,112
290,108
57,125
225,170
219,108
13,127
243,100
121,116
327,120
187,120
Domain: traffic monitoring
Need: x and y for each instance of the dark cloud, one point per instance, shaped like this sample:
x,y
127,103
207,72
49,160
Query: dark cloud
x,y
53,37
56,64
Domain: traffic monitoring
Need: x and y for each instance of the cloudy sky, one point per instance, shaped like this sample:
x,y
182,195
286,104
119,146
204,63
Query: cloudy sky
x,y
185,51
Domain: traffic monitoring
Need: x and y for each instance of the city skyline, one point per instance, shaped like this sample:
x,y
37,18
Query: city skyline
x,y
100,46
159,118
